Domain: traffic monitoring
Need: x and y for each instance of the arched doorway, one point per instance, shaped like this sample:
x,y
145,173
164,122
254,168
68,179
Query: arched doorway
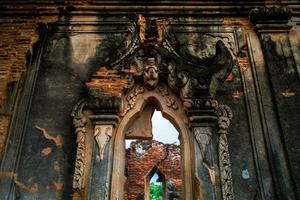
x,y
153,159
171,108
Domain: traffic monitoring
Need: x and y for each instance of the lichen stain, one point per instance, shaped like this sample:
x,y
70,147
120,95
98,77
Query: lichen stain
x,y
236,94
8,174
47,187
58,186
84,47
211,171
32,189
198,193
46,151
230,78
56,166
57,139
288,93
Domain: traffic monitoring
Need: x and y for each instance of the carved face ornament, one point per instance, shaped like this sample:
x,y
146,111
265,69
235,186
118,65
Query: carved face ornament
x,y
150,73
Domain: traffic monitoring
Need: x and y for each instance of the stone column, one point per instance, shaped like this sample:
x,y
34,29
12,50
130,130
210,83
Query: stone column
x,y
209,123
278,87
202,122
104,118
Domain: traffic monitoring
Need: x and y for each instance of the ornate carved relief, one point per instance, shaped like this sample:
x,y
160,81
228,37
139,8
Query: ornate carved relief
x,y
131,99
194,73
224,119
161,25
80,121
170,102
201,77
102,136
203,138
146,29
150,73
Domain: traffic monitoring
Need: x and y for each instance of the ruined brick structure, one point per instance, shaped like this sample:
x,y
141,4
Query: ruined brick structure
x,y
78,78
142,156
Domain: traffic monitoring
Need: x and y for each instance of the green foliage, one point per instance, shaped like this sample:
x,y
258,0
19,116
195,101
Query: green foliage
x,y
156,191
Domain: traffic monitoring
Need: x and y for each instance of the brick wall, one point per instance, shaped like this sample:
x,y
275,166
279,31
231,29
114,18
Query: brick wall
x,y
141,158
17,36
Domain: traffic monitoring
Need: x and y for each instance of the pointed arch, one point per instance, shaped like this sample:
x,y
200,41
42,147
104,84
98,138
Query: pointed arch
x,y
171,108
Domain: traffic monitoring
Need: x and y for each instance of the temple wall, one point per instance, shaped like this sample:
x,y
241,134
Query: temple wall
x,y
47,56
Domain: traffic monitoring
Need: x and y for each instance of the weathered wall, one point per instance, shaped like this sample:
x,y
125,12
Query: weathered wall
x,y
39,85
142,156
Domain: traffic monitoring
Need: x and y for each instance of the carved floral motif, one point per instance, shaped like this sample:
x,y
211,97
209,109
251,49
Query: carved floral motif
x,y
80,121
170,102
131,98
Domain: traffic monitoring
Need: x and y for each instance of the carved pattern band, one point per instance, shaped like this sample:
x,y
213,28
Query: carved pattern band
x,y
80,122
224,119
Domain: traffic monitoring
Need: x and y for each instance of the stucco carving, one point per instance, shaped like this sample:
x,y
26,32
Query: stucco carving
x,y
80,121
203,138
150,73
180,80
131,99
102,136
170,102
224,119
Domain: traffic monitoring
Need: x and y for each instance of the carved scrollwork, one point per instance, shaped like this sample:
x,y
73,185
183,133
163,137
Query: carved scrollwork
x,y
170,102
203,138
80,121
131,99
102,136
224,119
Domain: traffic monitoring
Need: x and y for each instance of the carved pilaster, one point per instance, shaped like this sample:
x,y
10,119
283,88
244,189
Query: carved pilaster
x,y
224,119
277,82
80,120
105,107
202,121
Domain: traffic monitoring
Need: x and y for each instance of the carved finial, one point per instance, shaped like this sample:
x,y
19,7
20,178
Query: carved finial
x,y
151,31
161,25
142,25
224,118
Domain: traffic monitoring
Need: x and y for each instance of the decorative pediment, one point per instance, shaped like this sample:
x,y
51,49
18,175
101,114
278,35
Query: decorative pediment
x,y
193,68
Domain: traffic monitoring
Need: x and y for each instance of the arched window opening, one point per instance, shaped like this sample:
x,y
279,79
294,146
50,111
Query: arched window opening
x,y
153,159
155,185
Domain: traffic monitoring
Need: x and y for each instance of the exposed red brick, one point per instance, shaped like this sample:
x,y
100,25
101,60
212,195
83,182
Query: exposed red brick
x,y
165,156
110,80
18,34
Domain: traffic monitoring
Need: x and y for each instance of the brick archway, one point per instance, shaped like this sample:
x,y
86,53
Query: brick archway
x,y
161,97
